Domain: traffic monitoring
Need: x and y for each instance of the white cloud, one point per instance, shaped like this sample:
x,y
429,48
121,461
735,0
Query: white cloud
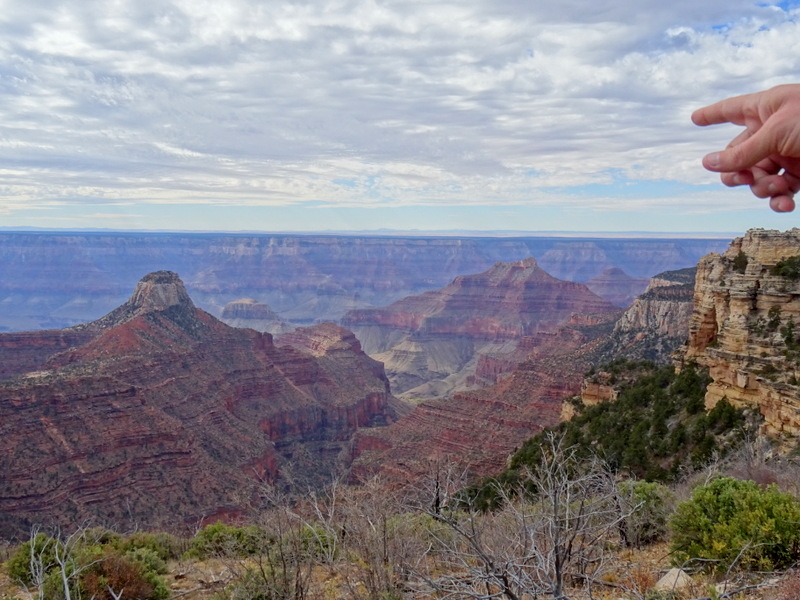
x,y
252,103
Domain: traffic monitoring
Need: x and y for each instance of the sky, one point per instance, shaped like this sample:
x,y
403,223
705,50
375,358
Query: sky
x,y
357,115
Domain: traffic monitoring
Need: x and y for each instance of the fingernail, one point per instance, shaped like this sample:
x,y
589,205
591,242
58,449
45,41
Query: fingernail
x,y
712,160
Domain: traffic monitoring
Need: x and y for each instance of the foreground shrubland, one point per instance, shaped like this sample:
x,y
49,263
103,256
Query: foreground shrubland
x,y
575,531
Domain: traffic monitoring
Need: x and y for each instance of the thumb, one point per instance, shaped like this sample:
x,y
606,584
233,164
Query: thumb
x,y
742,155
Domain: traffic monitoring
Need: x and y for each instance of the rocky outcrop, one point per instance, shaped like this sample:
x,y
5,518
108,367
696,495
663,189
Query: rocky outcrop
x,y
468,331
743,327
595,389
28,351
657,322
246,312
50,280
159,413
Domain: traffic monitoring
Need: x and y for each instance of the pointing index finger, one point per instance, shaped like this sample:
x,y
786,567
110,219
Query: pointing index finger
x,y
730,110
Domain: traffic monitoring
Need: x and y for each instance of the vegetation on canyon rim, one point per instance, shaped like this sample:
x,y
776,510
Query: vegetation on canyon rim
x,y
554,525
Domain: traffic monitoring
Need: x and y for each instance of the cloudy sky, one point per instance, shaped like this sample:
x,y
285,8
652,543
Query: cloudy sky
x,y
536,115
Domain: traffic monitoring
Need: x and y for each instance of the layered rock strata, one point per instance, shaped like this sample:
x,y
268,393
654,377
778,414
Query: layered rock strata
x,y
477,430
470,331
744,326
657,322
161,414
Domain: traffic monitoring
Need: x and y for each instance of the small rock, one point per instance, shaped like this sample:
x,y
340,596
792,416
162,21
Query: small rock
x,y
675,579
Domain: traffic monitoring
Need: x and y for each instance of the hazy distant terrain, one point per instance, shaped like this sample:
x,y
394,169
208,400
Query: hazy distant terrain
x,y
53,280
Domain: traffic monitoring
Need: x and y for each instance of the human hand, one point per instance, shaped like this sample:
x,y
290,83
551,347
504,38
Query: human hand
x,y
766,155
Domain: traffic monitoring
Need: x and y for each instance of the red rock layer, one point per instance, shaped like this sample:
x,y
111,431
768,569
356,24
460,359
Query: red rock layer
x,y
508,301
167,414
466,333
478,430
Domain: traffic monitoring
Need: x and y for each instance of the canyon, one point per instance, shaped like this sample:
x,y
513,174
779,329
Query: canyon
x,y
524,389
55,280
158,409
470,331
657,321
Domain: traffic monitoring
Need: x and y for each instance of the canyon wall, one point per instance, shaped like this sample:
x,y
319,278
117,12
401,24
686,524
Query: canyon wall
x,y
247,312
159,415
468,332
656,323
744,327
477,430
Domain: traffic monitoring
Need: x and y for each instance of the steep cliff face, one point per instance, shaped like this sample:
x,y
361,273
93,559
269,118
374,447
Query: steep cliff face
x,y
657,322
162,413
743,326
433,343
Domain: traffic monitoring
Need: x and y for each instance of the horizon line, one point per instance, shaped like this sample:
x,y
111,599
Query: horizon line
x,y
389,232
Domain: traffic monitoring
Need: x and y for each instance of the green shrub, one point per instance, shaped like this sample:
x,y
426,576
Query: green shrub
x,y
740,262
148,559
166,546
119,573
19,564
734,523
788,267
92,562
651,504
724,417
219,539
316,541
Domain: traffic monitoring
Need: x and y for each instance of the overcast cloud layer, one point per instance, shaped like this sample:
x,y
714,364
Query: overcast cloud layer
x,y
486,114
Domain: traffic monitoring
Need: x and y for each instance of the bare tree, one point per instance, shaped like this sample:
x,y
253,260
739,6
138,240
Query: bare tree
x,y
552,533
383,540
358,533
57,553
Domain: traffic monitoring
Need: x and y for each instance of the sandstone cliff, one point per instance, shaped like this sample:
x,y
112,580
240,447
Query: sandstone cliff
x,y
657,322
743,327
160,413
455,337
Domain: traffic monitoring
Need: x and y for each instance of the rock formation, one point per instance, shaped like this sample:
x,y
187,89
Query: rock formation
x,y
529,385
743,326
444,340
159,413
477,430
246,312
657,322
